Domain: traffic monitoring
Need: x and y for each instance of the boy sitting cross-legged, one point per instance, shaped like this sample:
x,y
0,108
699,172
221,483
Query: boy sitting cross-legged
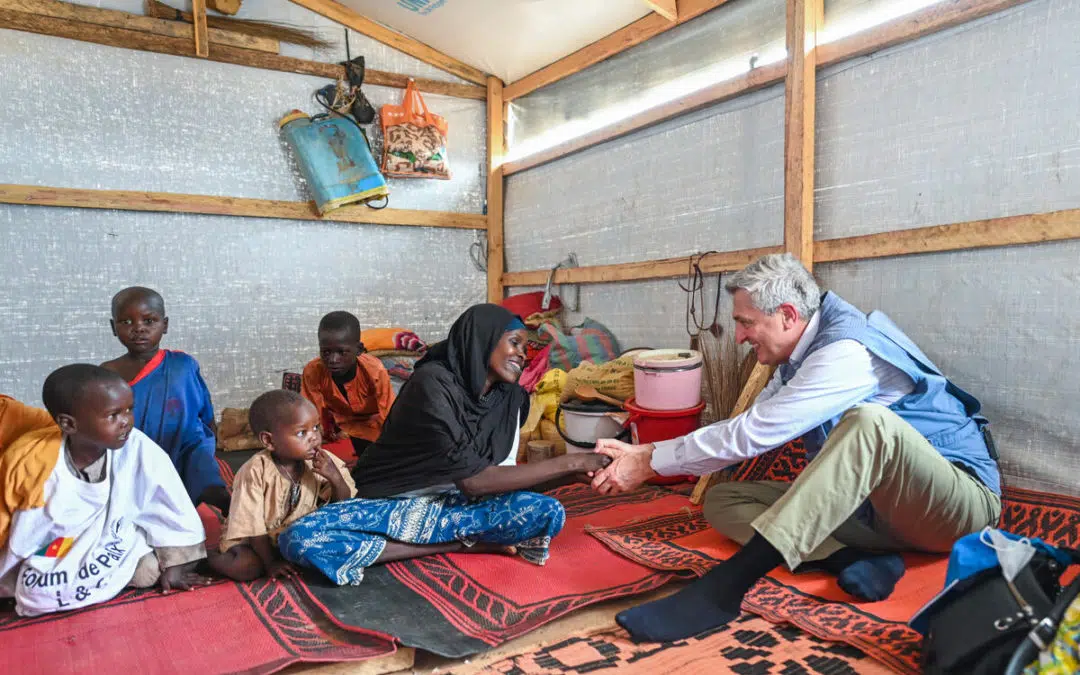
x,y
90,504
289,479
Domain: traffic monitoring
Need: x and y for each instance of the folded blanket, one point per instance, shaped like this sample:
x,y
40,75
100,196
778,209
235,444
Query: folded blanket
x,y
395,339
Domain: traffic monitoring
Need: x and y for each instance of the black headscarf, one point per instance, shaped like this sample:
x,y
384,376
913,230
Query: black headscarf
x,y
442,428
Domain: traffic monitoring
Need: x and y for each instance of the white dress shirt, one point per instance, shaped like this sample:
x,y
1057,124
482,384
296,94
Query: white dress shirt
x,y
833,379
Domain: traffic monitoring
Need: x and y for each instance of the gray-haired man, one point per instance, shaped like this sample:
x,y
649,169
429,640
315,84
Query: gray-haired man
x,y
898,455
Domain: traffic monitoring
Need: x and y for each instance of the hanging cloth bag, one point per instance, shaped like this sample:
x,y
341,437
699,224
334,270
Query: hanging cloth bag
x,y
414,139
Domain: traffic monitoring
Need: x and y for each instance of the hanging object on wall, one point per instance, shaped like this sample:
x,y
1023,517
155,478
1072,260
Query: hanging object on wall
x,y
569,263
335,158
360,107
266,29
229,7
414,139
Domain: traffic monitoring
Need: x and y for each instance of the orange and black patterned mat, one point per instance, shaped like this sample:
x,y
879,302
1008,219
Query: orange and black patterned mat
x,y
682,541
750,645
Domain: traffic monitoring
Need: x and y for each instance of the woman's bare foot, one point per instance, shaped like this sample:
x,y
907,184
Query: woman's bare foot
x,y
481,547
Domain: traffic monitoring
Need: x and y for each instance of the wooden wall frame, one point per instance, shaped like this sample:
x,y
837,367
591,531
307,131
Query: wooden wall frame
x,y
804,19
496,147
169,202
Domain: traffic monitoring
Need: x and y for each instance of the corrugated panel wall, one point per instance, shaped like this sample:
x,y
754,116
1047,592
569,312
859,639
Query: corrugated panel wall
x,y
978,122
244,294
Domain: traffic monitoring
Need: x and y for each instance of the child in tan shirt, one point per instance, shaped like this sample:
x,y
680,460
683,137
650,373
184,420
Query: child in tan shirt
x,y
289,479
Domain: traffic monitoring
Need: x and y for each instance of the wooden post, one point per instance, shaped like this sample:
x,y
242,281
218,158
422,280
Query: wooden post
x,y
202,41
496,147
803,19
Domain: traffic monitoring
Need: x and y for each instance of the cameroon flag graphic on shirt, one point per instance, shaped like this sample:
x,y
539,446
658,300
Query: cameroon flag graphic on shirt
x,y
58,548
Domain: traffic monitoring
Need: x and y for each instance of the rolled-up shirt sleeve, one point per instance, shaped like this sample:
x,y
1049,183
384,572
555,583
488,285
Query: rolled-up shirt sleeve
x,y
830,381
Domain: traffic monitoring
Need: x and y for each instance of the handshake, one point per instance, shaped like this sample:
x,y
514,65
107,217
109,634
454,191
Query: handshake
x,y
616,467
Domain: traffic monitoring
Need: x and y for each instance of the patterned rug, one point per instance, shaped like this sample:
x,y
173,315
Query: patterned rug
x,y
460,604
749,645
682,541
228,627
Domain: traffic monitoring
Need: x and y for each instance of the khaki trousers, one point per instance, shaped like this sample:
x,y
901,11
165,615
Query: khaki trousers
x,y
921,501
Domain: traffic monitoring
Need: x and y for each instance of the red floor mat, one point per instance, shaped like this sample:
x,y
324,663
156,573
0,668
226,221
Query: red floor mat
x,y
257,628
460,604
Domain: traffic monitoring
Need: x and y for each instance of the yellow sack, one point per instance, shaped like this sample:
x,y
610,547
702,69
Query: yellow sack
x,y
540,424
614,378
548,393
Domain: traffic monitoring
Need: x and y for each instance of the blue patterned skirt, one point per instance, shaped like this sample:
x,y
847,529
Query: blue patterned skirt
x,y
342,539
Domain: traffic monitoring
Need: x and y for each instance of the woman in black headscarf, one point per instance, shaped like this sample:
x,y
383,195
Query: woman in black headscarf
x,y
442,477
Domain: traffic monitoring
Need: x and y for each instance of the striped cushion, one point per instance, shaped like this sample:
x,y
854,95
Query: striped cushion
x,y
590,341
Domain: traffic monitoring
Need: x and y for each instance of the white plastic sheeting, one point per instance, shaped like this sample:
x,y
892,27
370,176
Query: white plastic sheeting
x,y
507,38
714,47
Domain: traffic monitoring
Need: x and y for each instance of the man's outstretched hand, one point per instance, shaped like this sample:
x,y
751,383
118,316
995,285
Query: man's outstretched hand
x,y
630,466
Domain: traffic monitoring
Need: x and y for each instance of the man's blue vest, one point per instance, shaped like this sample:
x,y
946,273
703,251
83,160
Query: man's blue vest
x,y
942,412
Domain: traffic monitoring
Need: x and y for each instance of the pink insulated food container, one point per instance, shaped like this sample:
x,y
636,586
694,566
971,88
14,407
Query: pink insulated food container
x,y
667,379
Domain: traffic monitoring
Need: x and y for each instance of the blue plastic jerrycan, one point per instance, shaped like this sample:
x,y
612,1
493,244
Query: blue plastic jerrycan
x,y
335,159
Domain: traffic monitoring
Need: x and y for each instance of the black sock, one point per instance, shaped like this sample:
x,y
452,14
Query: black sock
x,y
864,575
710,602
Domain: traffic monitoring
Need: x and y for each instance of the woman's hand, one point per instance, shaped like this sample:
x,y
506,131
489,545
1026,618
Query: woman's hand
x,y
631,466
585,465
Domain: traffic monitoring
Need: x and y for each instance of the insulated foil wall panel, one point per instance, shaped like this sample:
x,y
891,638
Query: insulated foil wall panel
x,y
708,181
977,122
244,295
139,121
1001,323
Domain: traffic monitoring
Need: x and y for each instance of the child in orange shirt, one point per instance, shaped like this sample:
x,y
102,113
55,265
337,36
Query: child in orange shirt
x,y
350,389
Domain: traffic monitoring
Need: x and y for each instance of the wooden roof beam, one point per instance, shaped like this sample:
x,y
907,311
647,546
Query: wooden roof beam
x,y
137,22
376,31
606,47
133,39
665,8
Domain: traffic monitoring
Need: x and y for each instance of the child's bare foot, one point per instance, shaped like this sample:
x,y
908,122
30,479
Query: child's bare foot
x,y
481,547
